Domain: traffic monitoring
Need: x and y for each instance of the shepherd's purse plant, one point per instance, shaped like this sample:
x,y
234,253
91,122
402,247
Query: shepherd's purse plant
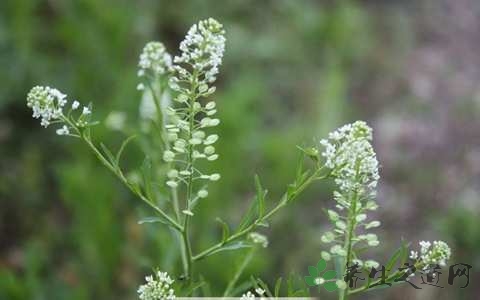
x,y
177,130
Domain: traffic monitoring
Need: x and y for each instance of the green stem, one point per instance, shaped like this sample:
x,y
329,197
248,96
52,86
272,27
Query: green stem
x,y
190,160
246,260
351,223
173,190
122,178
283,202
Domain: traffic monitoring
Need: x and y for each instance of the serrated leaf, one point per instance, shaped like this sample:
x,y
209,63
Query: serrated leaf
x,y
122,147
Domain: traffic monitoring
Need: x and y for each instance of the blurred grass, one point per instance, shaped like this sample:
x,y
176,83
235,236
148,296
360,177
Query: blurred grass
x,y
293,70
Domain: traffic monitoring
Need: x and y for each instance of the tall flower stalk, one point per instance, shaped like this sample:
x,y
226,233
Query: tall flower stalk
x,y
354,166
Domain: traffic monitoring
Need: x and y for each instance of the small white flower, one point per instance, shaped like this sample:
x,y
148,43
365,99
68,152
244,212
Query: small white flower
x,y
75,105
86,111
157,288
248,296
63,131
413,254
259,291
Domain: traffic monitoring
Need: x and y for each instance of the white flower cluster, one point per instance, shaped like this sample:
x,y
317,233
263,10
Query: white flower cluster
x,y
154,59
202,53
353,163
350,156
48,103
258,238
432,254
250,296
158,288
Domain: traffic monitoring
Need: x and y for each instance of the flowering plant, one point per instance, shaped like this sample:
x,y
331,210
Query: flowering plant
x,y
179,118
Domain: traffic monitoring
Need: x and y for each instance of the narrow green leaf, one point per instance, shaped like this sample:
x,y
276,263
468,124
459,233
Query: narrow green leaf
x,y
261,284
122,147
278,285
260,197
263,223
249,216
194,286
404,255
153,220
225,229
394,258
147,177
232,246
109,155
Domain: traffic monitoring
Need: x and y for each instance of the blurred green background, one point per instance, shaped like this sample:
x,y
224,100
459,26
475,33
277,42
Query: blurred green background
x,y
293,71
